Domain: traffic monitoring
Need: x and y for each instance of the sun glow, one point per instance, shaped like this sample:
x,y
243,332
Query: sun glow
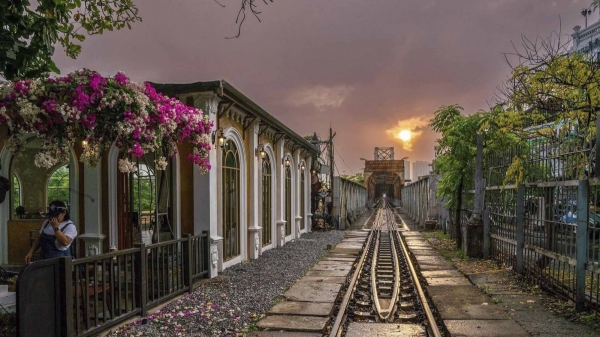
x,y
405,135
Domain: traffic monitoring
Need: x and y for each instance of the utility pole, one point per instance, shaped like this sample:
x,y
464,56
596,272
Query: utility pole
x,y
332,163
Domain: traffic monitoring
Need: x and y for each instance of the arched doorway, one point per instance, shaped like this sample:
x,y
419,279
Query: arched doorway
x,y
231,201
144,202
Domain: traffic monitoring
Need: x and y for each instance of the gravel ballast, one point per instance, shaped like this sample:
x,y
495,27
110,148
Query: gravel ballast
x,y
227,304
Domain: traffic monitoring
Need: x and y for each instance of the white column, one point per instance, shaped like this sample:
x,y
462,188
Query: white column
x,y
253,190
206,190
280,169
296,214
308,196
92,189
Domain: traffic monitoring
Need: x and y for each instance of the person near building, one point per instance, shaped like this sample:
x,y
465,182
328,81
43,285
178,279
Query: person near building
x,y
56,235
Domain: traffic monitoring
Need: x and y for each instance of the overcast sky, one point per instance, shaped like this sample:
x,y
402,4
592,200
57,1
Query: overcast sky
x,y
366,67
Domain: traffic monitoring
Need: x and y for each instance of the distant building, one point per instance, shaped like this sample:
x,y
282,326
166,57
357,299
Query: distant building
x,y
587,40
407,170
420,168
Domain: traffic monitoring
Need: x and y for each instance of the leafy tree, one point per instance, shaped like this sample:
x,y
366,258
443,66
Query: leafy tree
x,y
457,150
30,31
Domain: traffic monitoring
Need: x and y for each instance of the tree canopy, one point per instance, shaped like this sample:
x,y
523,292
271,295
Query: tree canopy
x,y
30,31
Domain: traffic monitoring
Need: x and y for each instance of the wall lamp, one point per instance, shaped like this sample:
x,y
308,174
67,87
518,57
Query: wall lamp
x,y
221,137
84,143
301,166
287,161
260,151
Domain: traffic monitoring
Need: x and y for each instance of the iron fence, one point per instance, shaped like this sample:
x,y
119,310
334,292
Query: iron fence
x,y
96,293
545,226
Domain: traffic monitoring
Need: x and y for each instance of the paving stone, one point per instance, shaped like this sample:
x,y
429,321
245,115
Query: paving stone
x,y
282,334
302,308
327,273
326,279
294,323
435,265
463,302
485,328
335,263
429,252
341,259
430,258
547,324
412,233
332,267
313,292
345,251
491,277
384,330
519,302
448,281
442,273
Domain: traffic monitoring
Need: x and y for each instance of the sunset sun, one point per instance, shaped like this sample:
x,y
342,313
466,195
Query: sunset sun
x,y
404,135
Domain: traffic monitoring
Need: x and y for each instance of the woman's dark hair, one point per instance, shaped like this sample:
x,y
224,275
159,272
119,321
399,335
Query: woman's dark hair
x,y
59,204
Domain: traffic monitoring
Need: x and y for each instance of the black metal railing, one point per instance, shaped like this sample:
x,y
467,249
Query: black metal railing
x,y
97,293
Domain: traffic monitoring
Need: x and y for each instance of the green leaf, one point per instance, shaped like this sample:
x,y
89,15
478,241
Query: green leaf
x,y
52,67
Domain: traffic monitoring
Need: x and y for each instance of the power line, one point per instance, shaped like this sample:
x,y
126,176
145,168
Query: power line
x,y
341,157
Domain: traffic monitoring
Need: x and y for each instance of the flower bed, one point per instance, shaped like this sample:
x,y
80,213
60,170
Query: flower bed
x,y
85,106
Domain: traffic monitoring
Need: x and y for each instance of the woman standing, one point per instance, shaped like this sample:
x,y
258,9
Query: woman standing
x,y
56,235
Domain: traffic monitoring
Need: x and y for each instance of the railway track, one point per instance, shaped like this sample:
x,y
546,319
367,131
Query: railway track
x,y
384,287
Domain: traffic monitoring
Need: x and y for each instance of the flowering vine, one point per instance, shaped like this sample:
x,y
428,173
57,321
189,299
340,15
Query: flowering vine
x,y
101,111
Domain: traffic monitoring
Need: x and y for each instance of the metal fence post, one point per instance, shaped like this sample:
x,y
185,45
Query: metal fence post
x,y
188,258
206,253
581,243
141,278
486,233
520,226
66,300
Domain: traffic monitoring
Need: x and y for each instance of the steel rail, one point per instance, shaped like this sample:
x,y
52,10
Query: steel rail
x,y
385,313
336,330
417,285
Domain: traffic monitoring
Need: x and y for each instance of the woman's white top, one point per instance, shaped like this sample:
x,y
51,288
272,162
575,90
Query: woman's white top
x,y
69,231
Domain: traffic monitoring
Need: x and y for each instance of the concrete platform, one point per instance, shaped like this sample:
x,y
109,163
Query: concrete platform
x,y
282,334
464,302
448,281
327,279
485,328
384,330
302,308
336,263
294,323
327,273
442,273
340,259
313,292
332,267
429,266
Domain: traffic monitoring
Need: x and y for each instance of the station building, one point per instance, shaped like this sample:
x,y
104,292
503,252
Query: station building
x,y
256,196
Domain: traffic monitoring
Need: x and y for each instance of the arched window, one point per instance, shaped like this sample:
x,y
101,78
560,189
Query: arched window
x,y
288,201
302,196
16,192
266,201
231,201
58,185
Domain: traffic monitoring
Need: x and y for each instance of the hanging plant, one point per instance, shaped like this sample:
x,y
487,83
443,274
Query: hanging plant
x,y
84,106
